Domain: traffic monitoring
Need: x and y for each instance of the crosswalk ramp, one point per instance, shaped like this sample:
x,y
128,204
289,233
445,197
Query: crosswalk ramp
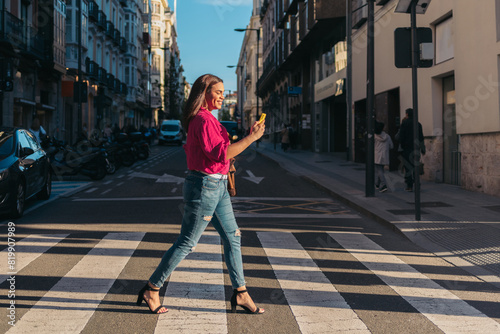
x,y
195,293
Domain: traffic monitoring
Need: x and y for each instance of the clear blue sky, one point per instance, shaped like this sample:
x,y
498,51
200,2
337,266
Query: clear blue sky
x,y
206,37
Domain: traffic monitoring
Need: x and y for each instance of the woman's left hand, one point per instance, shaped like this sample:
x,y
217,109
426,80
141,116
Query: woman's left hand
x,y
258,129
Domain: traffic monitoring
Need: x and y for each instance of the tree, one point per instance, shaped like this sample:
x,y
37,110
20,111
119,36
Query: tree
x,y
172,85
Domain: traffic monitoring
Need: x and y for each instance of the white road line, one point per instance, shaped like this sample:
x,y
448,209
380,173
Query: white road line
x,y
443,308
135,199
91,190
26,251
69,305
317,306
106,191
195,292
294,215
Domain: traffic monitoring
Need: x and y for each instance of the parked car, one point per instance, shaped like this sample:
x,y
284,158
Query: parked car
x,y
232,130
171,131
24,170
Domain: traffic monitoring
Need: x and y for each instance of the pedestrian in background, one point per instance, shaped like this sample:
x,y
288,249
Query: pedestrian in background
x,y
37,130
285,138
383,144
408,155
206,199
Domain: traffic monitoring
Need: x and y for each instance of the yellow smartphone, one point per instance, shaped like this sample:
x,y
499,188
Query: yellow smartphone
x,y
262,118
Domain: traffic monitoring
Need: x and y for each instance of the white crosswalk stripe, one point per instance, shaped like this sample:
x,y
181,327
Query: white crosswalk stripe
x,y
25,251
195,294
443,308
317,306
68,306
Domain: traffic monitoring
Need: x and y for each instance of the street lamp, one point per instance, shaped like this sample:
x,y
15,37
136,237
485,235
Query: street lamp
x,y
257,116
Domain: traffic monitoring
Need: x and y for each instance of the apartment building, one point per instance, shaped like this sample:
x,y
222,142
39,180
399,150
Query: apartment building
x,y
83,63
458,95
298,40
249,69
303,82
32,60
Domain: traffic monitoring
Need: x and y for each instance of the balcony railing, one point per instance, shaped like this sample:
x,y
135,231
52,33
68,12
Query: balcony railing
x,y
116,37
101,20
146,38
102,75
11,29
110,29
91,68
123,88
117,85
110,80
33,43
123,44
93,11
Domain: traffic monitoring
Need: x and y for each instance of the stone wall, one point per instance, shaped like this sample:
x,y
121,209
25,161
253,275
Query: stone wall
x,y
433,159
481,163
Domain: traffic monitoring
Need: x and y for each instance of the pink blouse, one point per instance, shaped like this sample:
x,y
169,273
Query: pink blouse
x,y
206,144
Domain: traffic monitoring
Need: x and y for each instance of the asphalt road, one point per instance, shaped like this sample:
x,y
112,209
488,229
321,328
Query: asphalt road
x,y
315,265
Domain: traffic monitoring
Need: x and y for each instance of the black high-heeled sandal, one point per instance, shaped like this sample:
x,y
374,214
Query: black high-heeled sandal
x,y
140,298
234,304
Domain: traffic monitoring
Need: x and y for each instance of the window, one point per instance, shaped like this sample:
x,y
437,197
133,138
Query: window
x,y
445,40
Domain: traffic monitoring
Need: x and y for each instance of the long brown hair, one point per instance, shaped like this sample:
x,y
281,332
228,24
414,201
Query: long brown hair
x,y
196,98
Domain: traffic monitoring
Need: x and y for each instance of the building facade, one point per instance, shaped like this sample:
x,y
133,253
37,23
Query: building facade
x,y
299,38
249,69
83,64
304,75
458,96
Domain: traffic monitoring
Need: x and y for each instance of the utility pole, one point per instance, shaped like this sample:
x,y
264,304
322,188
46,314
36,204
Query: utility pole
x,y
370,92
349,79
79,80
416,140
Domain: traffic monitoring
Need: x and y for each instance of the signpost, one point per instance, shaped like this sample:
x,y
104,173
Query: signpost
x,y
413,7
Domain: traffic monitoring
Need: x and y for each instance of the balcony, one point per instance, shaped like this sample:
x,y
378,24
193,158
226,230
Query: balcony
x,y
11,30
110,80
101,20
110,29
116,37
117,86
146,38
102,75
91,68
32,45
93,11
123,88
123,45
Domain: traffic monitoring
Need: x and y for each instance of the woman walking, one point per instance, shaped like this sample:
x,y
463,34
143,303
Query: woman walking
x,y
383,144
206,200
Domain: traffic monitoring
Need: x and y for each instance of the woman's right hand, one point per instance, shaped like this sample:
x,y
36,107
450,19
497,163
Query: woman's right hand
x,y
257,130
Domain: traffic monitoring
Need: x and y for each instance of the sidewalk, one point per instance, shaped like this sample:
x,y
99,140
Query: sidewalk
x,y
458,225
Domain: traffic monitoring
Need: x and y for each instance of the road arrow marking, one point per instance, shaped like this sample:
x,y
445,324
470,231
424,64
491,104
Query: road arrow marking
x,y
165,178
252,177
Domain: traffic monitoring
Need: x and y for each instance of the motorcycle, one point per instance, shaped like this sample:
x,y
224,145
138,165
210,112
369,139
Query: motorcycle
x,y
83,159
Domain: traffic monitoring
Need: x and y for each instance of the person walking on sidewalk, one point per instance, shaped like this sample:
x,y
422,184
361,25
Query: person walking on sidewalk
x,y
206,199
408,155
285,138
383,143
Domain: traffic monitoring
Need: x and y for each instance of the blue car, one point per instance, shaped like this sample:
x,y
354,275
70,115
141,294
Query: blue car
x,y
24,170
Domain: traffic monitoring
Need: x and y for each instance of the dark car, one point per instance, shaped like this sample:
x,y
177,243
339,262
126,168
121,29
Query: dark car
x,y
232,129
24,170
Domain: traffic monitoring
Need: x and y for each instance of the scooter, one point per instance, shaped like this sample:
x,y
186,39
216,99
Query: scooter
x,y
82,159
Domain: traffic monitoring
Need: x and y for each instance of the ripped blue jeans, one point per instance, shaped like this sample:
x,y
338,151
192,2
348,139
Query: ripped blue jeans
x,y
206,200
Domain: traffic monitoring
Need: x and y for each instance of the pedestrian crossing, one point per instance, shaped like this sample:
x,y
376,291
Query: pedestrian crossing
x,y
195,293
